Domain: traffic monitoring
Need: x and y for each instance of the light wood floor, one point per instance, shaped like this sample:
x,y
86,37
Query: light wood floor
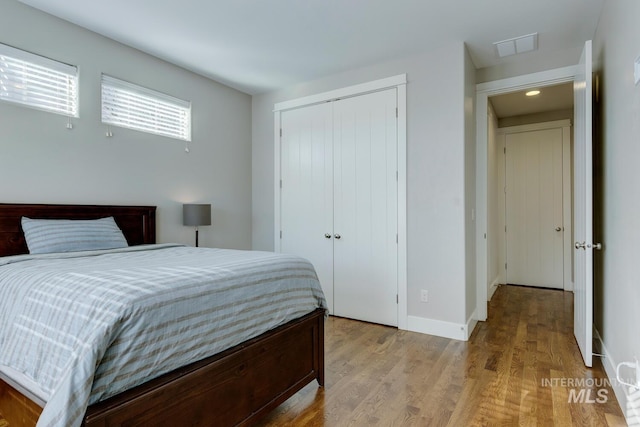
x,y
377,375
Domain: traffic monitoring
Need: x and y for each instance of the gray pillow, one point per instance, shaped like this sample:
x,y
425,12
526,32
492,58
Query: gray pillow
x,y
70,235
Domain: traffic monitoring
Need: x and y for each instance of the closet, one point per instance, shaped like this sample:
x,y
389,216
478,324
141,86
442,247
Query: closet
x,y
339,200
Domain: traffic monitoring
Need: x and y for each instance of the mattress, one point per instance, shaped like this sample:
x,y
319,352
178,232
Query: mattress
x,y
81,327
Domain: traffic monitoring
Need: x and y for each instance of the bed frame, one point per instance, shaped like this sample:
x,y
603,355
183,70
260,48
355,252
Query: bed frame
x,y
235,387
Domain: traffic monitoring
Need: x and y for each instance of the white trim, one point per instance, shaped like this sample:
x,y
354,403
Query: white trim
x,y
483,92
536,126
471,325
277,174
482,129
630,405
359,89
454,331
607,361
402,207
502,200
399,82
567,220
493,288
541,79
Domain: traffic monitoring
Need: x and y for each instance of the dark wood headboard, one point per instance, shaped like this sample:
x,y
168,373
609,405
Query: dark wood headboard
x,y
138,223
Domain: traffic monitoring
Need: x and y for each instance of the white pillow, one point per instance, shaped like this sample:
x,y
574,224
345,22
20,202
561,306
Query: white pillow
x,y
70,235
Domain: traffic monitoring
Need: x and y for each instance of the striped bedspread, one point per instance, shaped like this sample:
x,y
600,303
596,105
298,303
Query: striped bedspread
x,y
136,313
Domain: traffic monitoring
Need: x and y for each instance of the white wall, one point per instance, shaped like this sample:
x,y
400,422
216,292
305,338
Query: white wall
x,y
617,284
43,162
436,173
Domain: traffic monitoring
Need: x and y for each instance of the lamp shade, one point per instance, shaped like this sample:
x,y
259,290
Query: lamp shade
x,y
196,214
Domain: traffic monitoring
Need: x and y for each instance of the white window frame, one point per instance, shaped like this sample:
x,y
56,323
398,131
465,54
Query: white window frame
x,y
38,82
135,107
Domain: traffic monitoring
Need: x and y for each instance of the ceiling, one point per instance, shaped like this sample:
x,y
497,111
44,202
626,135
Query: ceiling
x,y
257,45
551,98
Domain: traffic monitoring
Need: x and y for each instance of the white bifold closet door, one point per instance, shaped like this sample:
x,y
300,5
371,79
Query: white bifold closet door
x,y
306,189
339,200
365,208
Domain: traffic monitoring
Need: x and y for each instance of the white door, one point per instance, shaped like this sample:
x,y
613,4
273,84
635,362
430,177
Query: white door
x,y
534,208
583,207
365,208
306,194
338,201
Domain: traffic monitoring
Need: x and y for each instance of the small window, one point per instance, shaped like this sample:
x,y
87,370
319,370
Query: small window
x,y
38,82
131,106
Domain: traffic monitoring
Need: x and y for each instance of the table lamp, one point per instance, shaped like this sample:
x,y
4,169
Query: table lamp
x,y
195,215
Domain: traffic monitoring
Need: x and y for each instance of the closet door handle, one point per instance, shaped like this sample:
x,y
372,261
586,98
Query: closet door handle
x,y
327,235
337,236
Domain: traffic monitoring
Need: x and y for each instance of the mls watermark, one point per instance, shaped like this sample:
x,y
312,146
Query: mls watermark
x,y
597,391
583,390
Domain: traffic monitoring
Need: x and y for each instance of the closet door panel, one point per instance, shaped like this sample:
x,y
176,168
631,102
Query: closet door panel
x,y
365,207
307,189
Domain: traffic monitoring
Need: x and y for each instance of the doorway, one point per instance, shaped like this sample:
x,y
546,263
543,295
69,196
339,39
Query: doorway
x,y
529,188
492,100
581,77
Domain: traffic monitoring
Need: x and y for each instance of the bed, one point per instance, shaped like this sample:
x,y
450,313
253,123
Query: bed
x,y
236,385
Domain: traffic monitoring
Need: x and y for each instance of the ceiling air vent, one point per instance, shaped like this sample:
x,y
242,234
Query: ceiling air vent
x,y
517,45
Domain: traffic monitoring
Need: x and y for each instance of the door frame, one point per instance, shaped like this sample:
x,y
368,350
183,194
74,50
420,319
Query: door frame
x,y
483,92
400,83
567,196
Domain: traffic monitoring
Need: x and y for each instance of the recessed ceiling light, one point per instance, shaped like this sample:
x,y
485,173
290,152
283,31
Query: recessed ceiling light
x,y
533,93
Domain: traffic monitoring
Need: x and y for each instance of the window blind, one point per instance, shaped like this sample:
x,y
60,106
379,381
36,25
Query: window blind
x,y
135,107
38,82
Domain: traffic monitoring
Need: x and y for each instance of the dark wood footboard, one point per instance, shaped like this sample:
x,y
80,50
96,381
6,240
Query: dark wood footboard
x,y
235,387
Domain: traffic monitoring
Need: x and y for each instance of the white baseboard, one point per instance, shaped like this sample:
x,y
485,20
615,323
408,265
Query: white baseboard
x,y
492,288
455,331
628,398
471,324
